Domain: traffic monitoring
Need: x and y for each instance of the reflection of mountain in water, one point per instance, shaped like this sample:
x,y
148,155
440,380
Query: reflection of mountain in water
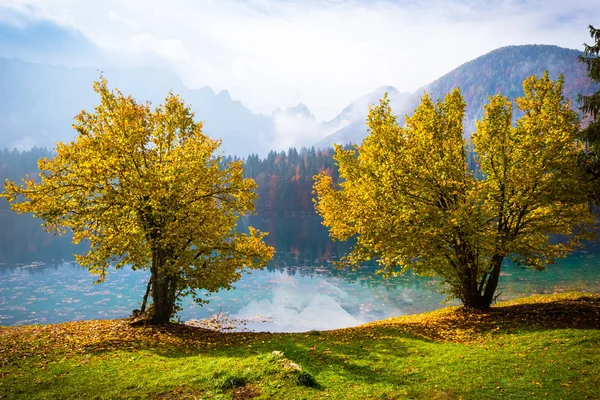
x,y
302,304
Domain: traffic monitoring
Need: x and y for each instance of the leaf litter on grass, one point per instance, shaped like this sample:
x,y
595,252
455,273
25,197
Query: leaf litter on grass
x,y
39,345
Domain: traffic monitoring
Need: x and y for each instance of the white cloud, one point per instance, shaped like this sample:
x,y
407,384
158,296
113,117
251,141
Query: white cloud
x,y
117,18
271,54
296,131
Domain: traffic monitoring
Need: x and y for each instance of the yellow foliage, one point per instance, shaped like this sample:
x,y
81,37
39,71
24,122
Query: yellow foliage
x,y
408,197
145,188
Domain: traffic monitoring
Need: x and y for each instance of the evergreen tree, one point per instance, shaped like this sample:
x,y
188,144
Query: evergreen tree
x,y
590,105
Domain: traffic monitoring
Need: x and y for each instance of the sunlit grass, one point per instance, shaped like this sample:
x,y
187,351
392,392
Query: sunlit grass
x,y
539,347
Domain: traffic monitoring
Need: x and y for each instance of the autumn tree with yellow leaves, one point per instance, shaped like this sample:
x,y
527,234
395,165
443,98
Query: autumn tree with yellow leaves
x,y
146,189
410,201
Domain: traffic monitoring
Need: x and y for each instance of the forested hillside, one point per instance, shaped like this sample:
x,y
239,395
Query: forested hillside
x,y
500,71
285,179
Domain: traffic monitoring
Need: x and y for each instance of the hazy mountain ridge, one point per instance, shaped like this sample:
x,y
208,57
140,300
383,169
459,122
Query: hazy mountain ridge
x,y
39,98
38,102
499,71
348,125
40,40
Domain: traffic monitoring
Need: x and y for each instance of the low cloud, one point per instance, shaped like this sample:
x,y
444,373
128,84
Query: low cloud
x,y
296,131
321,53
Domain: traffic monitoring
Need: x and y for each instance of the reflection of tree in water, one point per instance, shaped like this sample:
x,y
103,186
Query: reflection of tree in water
x,y
22,240
579,271
366,275
304,248
303,236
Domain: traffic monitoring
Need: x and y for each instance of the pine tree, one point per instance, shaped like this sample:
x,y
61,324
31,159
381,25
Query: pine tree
x,y
590,105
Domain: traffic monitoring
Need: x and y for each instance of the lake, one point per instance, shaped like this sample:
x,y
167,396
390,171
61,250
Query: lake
x,y
300,290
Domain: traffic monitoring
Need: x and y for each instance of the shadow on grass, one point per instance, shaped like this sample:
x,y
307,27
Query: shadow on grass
x,y
457,325
349,352
392,353
580,313
178,340
460,325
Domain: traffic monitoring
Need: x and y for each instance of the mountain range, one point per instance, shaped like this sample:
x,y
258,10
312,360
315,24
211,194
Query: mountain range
x,y
500,71
38,101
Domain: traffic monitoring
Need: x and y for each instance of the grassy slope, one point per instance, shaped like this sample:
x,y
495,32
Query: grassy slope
x,y
539,347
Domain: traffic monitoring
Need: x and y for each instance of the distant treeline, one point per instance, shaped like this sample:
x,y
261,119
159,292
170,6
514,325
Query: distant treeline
x,y
284,179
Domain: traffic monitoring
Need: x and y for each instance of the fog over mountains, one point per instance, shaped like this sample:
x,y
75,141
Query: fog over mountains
x,y
38,101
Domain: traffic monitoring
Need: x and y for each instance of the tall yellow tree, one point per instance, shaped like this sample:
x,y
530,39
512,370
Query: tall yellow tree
x,y
410,201
145,188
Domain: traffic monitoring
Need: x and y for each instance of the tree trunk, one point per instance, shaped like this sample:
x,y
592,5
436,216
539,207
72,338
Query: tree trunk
x,y
145,299
469,295
492,282
480,296
163,290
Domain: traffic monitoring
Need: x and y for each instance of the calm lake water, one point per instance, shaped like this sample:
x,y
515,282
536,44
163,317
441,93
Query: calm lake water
x,y
300,290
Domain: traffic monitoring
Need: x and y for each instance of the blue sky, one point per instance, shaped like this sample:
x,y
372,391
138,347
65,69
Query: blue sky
x,y
271,54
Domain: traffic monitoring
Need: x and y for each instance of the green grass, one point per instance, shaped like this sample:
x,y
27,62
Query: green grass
x,y
538,347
